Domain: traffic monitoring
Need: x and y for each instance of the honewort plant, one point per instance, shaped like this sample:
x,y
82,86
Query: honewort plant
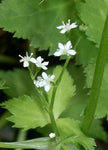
x,y
65,103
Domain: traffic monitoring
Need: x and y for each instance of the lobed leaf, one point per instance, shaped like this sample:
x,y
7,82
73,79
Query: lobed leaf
x,y
26,112
70,130
29,20
93,14
65,91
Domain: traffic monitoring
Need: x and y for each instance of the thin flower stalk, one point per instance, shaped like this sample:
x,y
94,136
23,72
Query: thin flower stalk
x,y
40,96
53,98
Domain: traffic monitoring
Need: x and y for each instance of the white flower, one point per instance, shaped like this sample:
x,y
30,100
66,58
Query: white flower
x,y
39,82
66,27
26,59
47,80
44,81
52,135
41,64
65,49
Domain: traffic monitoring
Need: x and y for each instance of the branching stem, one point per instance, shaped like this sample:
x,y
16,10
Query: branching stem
x,y
55,89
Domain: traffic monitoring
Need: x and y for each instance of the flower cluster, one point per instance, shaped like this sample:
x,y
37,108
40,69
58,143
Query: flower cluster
x,y
63,49
38,61
44,81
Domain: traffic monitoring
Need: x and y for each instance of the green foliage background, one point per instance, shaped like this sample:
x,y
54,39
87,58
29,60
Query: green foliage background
x,y
36,22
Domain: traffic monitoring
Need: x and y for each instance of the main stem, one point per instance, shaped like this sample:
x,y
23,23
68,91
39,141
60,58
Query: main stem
x,y
97,80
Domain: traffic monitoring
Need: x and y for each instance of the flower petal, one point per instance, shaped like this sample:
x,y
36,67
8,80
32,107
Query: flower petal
x,y
25,64
68,45
42,83
60,46
47,87
52,77
72,52
63,31
73,25
60,27
40,59
57,53
45,63
44,67
44,75
33,60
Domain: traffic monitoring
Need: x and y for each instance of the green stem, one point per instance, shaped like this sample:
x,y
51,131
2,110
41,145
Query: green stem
x,y
21,137
53,123
42,99
97,80
31,74
40,96
57,82
53,98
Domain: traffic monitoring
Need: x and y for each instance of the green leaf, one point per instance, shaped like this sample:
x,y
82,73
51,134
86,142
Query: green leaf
x,y
43,20
65,91
18,82
93,14
26,112
70,130
39,143
102,107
